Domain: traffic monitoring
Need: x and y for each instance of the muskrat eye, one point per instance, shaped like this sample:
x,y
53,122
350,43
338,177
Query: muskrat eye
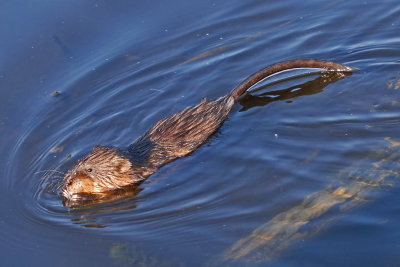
x,y
89,169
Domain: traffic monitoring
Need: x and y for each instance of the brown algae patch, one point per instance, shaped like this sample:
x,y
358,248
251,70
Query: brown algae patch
x,y
312,215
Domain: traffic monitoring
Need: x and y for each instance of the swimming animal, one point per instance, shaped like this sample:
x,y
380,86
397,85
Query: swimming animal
x,y
109,171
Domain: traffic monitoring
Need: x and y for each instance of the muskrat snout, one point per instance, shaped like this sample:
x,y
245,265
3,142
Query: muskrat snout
x,y
104,170
69,195
74,191
67,191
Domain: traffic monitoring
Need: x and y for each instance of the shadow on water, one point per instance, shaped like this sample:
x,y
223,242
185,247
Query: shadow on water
x,y
250,100
84,213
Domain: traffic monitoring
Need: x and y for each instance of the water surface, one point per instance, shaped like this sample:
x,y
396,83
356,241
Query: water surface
x,y
304,171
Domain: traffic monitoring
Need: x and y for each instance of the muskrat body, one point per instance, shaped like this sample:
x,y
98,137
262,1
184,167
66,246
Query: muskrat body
x,y
107,170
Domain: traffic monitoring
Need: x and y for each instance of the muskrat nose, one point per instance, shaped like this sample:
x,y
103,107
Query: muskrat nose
x,y
69,196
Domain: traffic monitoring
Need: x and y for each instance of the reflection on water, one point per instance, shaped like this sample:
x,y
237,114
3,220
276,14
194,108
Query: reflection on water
x,y
116,195
308,88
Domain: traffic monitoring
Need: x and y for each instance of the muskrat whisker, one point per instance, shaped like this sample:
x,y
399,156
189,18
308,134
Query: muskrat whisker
x,y
58,185
53,171
49,173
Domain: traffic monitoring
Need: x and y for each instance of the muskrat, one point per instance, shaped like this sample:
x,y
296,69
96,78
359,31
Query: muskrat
x,y
108,170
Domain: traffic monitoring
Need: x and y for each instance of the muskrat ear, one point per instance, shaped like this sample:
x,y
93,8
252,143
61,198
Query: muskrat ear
x,y
98,148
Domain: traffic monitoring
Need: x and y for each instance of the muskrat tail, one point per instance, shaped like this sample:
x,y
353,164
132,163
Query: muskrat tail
x,y
286,65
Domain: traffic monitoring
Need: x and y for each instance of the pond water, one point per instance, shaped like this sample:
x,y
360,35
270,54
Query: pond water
x,y
305,172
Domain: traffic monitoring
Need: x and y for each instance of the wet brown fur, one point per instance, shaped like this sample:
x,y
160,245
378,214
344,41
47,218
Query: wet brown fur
x,y
107,169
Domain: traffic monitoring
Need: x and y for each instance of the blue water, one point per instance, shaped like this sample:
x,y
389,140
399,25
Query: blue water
x,y
119,67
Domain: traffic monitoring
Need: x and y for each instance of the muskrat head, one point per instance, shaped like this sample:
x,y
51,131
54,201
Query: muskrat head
x,y
105,169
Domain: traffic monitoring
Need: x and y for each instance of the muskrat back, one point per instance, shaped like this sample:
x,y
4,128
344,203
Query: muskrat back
x,y
107,170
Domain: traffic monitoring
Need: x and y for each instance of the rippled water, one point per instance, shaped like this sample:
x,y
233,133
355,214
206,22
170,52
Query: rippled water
x,y
304,171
